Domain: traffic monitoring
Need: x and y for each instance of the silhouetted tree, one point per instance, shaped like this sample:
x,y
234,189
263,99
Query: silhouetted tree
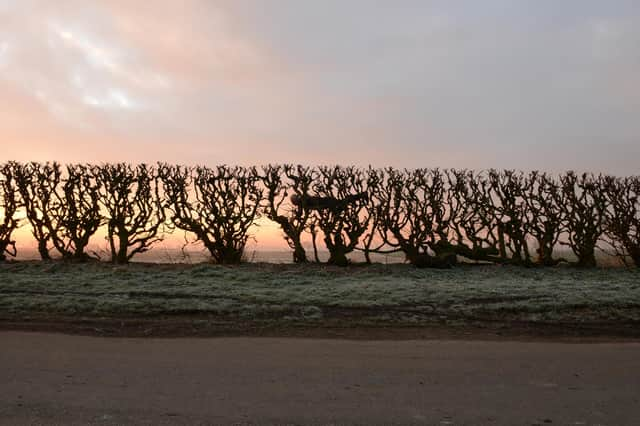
x,y
510,211
76,211
339,209
375,179
433,216
445,209
133,205
279,182
413,216
39,185
544,199
61,209
584,211
474,226
9,204
623,217
217,205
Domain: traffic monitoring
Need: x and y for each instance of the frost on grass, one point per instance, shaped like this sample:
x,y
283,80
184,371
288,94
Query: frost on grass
x,y
395,292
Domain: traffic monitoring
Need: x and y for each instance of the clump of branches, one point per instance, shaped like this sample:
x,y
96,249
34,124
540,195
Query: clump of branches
x,y
433,216
131,199
374,181
473,226
76,211
217,205
39,185
584,210
9,204
340,213
544,221
414,218
510,211
623,217
63,210
280,182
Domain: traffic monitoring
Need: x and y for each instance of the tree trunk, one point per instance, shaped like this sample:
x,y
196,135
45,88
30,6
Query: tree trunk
x,y
634,252
121,257
501,244
367,256
79,255
299,254
43,251
337,251
315,245
338,257
123,246
226,255
587,258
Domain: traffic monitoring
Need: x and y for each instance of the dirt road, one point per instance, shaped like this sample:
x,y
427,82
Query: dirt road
x,y
60,379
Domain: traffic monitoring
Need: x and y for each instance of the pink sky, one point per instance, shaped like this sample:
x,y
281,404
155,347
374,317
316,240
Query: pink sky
x,y
507,84
515,84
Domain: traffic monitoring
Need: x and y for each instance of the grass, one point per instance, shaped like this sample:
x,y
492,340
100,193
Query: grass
x,y
384,293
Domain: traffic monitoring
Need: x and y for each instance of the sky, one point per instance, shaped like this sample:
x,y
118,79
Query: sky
x,y
539,84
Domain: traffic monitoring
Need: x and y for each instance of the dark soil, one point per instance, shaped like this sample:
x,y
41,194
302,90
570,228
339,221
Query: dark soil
x,y
341,324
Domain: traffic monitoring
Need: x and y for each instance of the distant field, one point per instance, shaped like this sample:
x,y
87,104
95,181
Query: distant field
x,y
316,294
196,254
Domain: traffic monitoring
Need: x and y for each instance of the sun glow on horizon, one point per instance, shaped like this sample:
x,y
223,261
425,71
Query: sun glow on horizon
x,y
265,235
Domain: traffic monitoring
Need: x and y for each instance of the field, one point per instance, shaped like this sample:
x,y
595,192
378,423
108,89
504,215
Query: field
x,y
174,299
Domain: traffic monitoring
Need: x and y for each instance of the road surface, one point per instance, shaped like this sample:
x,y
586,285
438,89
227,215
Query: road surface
x,y
61,379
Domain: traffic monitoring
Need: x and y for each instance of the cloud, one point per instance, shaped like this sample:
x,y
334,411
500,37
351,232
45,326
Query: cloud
x,y
411,83
116,70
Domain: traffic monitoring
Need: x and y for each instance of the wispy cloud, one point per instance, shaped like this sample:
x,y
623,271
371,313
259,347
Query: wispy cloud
x,y
411,83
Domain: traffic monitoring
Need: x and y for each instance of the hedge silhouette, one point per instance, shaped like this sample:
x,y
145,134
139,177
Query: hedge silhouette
x,y
217,205
279,181
623,217
9,203
37,184
435,217
133,207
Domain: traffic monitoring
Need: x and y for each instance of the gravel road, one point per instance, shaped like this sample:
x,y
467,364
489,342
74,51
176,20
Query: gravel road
x,y
60,379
